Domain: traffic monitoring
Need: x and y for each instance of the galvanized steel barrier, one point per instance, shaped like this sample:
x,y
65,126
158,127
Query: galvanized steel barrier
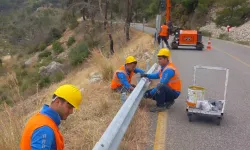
x,y
113,135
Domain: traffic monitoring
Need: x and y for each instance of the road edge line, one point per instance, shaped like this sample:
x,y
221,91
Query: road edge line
x,y
160,135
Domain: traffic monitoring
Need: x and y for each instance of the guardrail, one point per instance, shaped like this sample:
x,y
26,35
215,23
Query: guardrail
x,y
113,135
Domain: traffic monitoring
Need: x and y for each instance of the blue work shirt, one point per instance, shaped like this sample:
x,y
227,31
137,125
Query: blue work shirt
x,y
166,76
43,138
122,77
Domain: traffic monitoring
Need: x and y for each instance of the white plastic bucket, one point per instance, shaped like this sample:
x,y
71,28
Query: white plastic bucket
x,y
195,93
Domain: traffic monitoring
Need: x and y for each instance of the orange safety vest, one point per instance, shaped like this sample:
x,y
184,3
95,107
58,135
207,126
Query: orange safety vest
x,y
164,30
175,82
115,83
36,122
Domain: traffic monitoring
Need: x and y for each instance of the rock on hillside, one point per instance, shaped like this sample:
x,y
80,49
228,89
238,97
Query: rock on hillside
x,y
51,69
241,33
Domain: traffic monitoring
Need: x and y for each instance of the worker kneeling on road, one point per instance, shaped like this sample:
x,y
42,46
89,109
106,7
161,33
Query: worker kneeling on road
x,y
121,81
170,84
41,131
164,34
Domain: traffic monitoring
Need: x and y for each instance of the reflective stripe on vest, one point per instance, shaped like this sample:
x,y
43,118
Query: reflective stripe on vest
x,y
115,83
175,82
36,122
164,30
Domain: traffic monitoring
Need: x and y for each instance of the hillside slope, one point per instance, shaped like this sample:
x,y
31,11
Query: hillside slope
x,y
99,106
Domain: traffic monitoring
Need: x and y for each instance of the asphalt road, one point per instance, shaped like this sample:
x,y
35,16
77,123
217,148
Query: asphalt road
x,y
203,133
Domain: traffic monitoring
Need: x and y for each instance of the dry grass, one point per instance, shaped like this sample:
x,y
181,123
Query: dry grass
x,y
84,128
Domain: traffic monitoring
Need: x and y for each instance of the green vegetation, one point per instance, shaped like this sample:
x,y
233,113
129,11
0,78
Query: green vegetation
x,y
244,42
235,13
28,27
224,36
57,47
206,33
71,41
44,54
78,54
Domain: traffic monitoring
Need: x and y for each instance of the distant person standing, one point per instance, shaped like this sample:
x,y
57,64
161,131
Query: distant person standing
x,y
228,28
164,34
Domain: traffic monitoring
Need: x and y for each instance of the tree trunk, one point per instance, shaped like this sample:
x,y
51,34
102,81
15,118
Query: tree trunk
x,y
111,45
128,19
106,14
111,14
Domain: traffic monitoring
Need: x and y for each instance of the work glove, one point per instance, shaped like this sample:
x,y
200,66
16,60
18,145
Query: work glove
x,y
147,94
143,75
133,85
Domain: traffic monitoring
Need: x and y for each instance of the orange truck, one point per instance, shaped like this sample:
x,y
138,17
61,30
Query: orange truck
x,y
184,37
187,38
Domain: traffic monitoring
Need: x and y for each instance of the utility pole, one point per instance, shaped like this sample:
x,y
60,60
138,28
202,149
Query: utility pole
x,y
168,8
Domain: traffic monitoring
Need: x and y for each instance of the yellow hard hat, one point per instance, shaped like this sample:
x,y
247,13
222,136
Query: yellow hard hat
x,y
164,52
70,93
130,59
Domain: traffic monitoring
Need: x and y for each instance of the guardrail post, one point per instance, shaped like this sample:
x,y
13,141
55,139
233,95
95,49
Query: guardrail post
x,y
148,64
123,97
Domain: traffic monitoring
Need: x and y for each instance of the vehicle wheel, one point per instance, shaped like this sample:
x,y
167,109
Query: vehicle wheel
x,y
199,46
190,117
174,45
218,120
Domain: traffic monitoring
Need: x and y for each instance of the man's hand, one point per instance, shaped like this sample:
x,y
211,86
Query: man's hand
x,y
143,75
131,88
147,94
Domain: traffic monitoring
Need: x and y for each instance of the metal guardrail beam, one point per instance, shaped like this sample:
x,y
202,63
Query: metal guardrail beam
x,y
113,135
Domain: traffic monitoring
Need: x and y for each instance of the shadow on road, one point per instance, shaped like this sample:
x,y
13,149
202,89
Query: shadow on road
x,y
203,120
186,49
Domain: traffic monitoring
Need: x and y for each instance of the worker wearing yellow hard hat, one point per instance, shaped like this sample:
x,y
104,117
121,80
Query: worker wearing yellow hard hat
x,y
42,129
121,81
169,87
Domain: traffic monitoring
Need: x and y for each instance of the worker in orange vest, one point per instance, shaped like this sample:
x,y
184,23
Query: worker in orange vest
x,y
170,84
41,130
164,34
121,81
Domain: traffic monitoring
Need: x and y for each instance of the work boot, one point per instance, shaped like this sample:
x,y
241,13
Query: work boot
x,y
169,104
158,109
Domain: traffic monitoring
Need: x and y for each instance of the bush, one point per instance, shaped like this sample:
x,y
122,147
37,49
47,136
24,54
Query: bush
x,y
78,54
4,95
28,80
244,42
57,47
44,82
71,41
224,36
59,76
61,61
41,46
45,61
44,54
190,5
73,24
206,33
53,35
70,19
235,13
203,8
